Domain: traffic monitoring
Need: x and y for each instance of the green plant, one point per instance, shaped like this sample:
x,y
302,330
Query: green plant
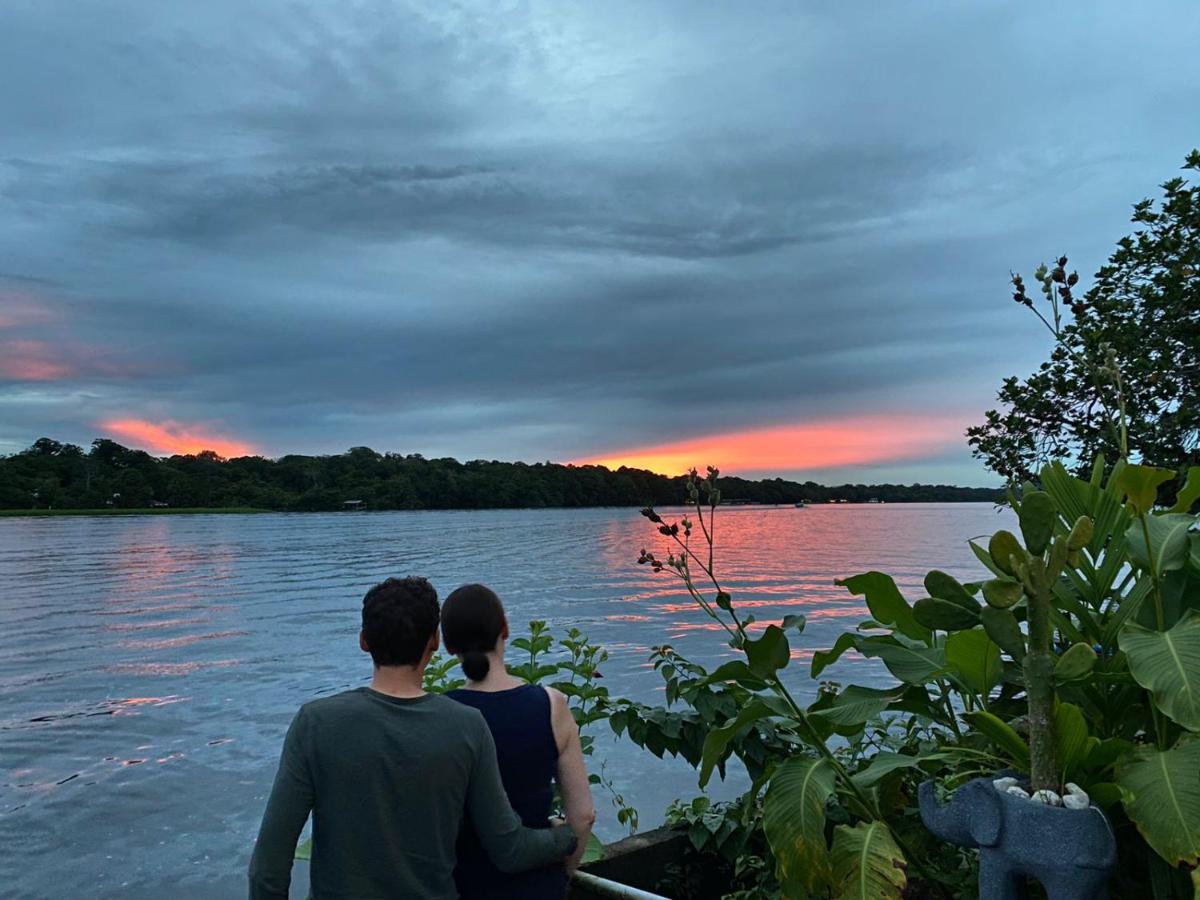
x,y
744,708
575,672
1073,658
1142,308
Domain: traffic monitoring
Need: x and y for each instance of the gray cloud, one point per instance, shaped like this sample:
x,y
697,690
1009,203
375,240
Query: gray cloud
x,y
547,230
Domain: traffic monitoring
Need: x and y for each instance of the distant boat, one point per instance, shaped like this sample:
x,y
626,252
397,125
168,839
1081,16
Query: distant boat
x,y
803,504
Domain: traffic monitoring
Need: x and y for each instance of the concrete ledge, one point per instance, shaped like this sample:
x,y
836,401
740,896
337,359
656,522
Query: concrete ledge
x,y
641,861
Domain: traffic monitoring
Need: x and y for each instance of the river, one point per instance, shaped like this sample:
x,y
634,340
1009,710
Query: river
x,y
149,665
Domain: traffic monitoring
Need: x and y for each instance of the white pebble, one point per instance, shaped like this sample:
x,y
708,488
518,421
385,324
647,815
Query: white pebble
x,y
1048,797
1017,791
1003,784
1072,788
1076,801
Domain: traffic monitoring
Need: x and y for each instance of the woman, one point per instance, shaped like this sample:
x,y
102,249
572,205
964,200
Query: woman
x,y
537,745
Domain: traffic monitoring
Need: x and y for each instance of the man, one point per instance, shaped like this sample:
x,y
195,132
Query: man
x,y
389,772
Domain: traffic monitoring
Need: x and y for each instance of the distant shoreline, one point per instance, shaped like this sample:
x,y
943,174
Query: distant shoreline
x,y
250,511
148,511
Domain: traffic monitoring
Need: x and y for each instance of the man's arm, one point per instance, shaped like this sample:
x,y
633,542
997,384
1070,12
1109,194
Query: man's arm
x,y
510,845
287,810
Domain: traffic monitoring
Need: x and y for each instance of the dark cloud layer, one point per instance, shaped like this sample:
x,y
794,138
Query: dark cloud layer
x,y
550,230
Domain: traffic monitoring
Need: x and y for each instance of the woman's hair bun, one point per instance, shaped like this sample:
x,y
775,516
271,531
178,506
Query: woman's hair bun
x,y
475,665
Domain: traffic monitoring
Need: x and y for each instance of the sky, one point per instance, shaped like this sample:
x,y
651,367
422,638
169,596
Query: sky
x,y
774,237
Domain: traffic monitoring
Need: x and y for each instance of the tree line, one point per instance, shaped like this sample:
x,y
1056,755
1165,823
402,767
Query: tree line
x,y
54,475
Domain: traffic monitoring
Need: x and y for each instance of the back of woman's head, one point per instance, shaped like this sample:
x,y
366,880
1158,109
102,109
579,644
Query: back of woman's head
x,y
472,624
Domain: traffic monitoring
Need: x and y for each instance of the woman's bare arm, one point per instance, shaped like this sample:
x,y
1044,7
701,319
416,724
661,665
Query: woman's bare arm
x,y
572,775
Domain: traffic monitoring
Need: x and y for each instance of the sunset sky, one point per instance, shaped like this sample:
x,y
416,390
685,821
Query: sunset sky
x,y
774,237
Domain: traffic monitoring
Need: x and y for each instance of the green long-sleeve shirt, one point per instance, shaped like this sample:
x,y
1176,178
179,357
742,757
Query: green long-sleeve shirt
x,y
388,781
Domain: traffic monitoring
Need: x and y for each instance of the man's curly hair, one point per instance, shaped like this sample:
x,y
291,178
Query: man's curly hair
x,y
399,617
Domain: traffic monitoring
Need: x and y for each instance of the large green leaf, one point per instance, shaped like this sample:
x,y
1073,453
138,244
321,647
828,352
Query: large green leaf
x,y
822,659
886,603
913,665
734,670
769,653
1161,794
717,741
911,662
885,763
945,615
1189,493
1002,735
1167,664
867,864
1071,741
1168,542
1140,485
856,704
976,658
794,823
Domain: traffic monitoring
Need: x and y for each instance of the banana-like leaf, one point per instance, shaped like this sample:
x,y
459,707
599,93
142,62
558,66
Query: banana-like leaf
x,y
794,823
1168,548
1161,793
1167,664
1071,741
886,603
976,658
1002,735
867,864
912,665
856,704
822,659
1189,493
885,763
1140,485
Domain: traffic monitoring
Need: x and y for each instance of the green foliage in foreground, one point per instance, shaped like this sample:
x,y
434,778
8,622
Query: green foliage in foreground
x,y
1101,692
54,475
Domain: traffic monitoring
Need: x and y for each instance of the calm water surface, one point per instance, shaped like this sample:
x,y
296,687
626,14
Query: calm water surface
x,y
149,666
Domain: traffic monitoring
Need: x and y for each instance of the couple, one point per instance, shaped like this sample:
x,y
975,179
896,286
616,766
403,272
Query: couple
x,y
395,777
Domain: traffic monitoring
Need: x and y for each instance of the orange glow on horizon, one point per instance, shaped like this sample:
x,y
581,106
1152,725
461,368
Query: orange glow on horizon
x,y
854,440
175,438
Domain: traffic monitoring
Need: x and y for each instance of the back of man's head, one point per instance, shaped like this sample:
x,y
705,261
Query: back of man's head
x,y
399,619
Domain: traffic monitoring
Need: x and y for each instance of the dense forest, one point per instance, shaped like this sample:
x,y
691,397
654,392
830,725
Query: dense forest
x,y
53,475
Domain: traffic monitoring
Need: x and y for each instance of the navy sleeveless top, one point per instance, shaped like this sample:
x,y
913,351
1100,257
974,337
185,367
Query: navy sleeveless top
x,y
519,719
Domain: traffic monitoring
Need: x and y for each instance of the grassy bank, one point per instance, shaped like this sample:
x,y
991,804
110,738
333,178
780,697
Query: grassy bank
x,y
109,511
